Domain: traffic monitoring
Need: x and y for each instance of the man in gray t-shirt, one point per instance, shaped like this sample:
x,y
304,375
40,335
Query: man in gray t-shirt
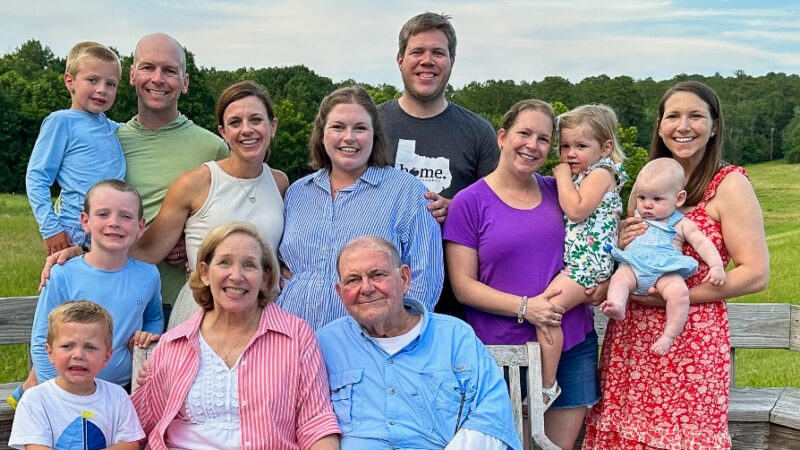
x,y
448,147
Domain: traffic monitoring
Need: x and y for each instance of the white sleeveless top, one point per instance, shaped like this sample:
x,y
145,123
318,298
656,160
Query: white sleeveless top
x,y
229,200
255,200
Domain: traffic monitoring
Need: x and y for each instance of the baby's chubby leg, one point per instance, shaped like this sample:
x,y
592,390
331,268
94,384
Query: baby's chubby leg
x,y
674,291
623,282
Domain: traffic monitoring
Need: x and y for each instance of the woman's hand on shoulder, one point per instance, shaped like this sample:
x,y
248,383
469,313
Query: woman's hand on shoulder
x,y
629,229
59,257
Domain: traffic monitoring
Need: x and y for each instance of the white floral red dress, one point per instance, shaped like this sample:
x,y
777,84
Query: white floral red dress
x,y
675,401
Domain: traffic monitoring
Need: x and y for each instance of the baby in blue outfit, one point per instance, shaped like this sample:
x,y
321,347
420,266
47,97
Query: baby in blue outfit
x,y
655,258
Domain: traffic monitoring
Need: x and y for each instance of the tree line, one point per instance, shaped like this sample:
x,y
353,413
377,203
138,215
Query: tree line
x,y
762,119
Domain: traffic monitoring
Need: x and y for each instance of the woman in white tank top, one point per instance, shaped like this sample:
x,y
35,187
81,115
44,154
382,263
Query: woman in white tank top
x,y
239,188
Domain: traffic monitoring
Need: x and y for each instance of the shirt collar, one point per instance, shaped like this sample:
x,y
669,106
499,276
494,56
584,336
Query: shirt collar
x,y
413,307
373,176
271,320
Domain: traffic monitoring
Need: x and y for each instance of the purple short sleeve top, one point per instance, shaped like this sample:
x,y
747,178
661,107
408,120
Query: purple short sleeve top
x,y
519,252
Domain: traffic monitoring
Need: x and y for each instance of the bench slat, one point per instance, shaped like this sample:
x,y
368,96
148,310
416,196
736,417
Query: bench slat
x,y
753,325
759,325
752,404
16,318
787,409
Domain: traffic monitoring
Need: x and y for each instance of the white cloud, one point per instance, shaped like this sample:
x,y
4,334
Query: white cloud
x,y
506,39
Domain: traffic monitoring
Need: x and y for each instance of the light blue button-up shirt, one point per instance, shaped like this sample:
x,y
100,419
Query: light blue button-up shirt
x,y
419,397
384,202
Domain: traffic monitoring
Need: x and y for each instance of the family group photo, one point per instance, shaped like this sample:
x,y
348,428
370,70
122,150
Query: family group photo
x,y
431,251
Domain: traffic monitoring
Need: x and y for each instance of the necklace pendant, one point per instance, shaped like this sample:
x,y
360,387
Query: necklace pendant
x,y
252,198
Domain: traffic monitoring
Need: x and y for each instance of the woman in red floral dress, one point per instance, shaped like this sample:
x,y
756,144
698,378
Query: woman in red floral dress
x,y
680,400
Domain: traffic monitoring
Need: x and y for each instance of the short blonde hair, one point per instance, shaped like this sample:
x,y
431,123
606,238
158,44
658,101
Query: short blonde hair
x,y
202,293
83,51
79,311
602,123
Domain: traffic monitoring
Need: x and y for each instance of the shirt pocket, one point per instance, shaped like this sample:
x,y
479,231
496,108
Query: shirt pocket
x,y
342,385
454,394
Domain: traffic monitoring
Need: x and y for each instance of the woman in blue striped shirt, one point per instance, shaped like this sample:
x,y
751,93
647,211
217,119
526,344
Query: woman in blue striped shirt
x,y
354,192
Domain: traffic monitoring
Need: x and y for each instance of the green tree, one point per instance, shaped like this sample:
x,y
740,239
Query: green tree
x,y
791,138
289,149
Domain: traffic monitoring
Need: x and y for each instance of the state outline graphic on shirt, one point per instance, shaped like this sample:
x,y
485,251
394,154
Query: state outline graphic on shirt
x,y
433,172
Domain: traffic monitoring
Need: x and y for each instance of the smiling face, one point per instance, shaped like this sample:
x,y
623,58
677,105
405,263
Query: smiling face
x,y
372,288
79,351
113,220
94,87
425,66
686,126
348,139
247,128
235,274
525,145
157,74
580,149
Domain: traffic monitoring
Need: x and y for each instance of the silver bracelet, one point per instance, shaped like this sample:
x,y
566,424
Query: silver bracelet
x,y
523,307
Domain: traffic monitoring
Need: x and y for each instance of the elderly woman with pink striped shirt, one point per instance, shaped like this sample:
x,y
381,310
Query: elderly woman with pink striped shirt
x,y
241,372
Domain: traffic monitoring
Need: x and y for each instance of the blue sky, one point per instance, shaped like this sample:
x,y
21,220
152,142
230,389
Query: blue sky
x,y
498,39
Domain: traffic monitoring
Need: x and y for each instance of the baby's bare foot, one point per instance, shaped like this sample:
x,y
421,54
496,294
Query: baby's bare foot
x,y
662,345
613,310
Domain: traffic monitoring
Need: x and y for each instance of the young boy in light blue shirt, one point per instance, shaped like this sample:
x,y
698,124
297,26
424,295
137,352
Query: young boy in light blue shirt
x,y
129,289
76,147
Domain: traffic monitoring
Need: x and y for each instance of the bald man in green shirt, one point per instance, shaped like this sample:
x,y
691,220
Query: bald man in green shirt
x,y
160,143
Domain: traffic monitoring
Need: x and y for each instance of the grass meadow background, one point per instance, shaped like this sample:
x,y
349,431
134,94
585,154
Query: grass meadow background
x,y
777,186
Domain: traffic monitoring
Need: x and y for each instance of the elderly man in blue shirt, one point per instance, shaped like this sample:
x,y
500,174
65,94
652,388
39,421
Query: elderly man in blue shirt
x,y
402,377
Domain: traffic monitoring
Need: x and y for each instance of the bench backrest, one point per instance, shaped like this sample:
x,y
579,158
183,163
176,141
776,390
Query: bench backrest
x,y
16,319
752,325
511,358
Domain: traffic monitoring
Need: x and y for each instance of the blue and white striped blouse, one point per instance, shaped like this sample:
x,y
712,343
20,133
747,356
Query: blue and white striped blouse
x,y
384,202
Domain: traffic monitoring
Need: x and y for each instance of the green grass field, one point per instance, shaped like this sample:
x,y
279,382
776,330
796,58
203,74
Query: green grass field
x,y
776,185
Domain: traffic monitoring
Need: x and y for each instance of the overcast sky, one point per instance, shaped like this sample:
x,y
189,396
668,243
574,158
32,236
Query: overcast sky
x,y
498,39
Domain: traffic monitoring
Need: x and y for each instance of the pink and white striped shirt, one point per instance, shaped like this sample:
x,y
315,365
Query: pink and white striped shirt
x,y
284,400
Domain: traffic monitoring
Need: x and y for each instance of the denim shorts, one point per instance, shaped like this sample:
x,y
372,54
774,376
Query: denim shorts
x,y
576,375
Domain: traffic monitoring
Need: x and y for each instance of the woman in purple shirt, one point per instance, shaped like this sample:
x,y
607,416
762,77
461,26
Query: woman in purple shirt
x,y
504,244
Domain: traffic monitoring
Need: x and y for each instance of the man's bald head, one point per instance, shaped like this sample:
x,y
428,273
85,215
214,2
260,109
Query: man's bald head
x,y
161,40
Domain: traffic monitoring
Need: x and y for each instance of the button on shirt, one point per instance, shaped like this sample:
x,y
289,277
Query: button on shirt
x,y
443,380
384,202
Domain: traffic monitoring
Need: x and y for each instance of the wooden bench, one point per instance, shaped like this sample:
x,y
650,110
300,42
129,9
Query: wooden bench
x,y
512,358
16,320
759,418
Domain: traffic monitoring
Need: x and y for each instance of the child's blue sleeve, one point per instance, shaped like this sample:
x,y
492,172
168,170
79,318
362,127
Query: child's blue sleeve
x,y
50,297
153,318
43,167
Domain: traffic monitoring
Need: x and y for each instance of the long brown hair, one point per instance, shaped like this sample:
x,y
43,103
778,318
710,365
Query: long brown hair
x,y
712,157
